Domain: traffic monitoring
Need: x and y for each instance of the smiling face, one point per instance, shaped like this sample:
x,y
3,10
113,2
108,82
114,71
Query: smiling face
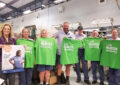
x,y
80,32
6,30
25,33
44,33
95,33
114,33
18,53
66,27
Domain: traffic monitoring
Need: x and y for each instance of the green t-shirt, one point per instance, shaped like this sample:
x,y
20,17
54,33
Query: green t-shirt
x,y
69,51
29,52
92,48
110,53
46,51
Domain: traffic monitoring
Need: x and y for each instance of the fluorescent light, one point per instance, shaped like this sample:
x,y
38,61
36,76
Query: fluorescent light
x,y
9,17
27,11
58,1
43,5
2,4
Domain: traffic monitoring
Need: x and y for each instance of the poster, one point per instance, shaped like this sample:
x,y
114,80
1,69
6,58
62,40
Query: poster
x,y
13,58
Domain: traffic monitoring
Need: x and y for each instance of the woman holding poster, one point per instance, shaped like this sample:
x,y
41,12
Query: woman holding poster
x,y
6,39
26,76
45,56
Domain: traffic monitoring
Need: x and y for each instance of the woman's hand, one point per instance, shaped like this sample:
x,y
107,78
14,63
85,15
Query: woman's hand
x,y
25,47
1,46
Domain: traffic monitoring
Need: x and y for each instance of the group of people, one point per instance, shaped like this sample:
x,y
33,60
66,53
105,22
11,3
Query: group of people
x,y
43,53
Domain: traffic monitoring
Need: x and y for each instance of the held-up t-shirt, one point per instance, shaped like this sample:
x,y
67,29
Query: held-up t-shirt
x,y
69,51
110,53
29,51
46,51
92,48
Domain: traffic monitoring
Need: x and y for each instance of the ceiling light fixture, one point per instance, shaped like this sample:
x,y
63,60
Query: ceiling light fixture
x,y
27,12
43,5
59,1
2,4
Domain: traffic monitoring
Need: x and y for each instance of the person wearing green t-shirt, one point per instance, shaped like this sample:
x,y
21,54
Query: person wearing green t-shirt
x,y
26,76
114,74
45,56
94,65
59,36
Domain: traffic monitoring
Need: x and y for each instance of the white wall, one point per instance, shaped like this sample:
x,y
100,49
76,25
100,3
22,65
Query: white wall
x,y
75,10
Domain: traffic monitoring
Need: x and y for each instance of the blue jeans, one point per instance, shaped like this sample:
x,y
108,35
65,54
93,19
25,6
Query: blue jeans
x,y
84,65
25,77
114,76
94,65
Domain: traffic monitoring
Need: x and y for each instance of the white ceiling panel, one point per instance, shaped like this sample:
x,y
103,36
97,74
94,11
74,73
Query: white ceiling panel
x,y
5,10
6,1
21,3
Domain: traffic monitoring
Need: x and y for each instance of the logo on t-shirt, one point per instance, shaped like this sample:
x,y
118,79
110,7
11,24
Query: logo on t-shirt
x,y
68,47
28,50
111,49
93,44
45,44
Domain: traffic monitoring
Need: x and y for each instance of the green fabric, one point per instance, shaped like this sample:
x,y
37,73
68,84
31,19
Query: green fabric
x,y
29,52
46,51
110,53
92,48
69,51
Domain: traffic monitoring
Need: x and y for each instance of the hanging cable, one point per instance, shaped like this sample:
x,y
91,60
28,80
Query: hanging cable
x,y
117,1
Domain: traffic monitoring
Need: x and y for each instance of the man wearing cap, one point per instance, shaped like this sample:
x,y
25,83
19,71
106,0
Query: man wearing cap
x,y
59,36
81,36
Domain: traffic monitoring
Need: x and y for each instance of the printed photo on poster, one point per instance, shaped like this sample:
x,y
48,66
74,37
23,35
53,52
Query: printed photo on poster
x,y
13,58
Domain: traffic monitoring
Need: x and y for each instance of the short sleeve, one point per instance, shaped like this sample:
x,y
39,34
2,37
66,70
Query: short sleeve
x,y
56,45
36,43
56,35
0,41
12,58
73,36
13,41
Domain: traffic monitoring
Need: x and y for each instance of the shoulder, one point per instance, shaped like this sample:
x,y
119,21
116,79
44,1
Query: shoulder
x,y
13,40
0,40
118,38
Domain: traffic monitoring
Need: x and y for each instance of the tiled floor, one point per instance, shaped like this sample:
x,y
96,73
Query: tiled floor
x,y
72,78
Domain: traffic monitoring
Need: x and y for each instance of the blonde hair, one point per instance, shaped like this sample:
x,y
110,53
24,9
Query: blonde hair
x,y
42,31
1,32
25,29
114,29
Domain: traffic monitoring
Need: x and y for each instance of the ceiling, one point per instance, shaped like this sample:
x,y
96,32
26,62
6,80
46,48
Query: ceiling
x,y
15,8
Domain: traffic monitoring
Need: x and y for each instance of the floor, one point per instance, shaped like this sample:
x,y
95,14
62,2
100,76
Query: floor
x,y
72,79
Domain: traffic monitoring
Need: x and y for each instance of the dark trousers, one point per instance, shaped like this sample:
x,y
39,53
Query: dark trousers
x,y
25,77
114,76
84,65
8,77
94,65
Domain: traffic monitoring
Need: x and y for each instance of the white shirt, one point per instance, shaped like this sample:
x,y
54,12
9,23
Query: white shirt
x,y
60,35
116,38
80,37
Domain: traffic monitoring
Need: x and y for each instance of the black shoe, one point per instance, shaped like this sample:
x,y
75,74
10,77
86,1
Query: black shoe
x,y
58,80
101,83
40,84
78,80
94,82
87,81
67,83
